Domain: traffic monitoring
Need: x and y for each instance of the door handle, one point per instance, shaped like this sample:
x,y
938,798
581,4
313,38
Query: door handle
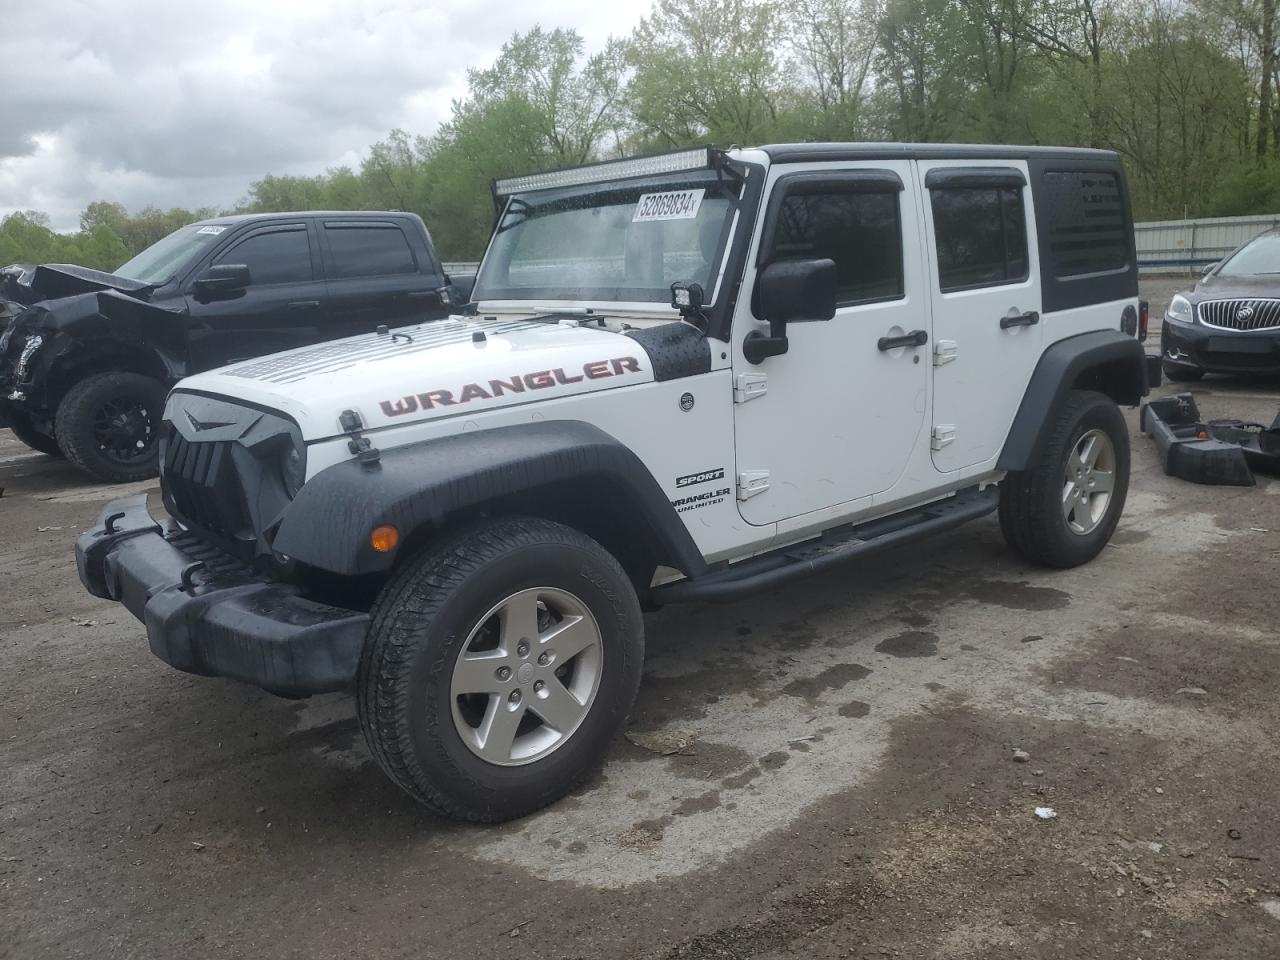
x,y
303,304
1028,319
422,295
916,338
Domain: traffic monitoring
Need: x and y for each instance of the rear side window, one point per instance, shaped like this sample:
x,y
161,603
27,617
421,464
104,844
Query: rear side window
x,y
279,256
981,236
1086,228
368,250
860,231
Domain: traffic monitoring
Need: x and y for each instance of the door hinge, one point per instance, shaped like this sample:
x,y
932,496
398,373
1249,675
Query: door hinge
x,y
748,386
944,351
751,482
944,434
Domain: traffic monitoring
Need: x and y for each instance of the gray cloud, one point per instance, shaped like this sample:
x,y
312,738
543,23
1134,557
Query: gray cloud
x,y
165,102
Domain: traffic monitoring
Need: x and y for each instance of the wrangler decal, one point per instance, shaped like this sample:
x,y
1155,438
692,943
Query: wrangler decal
x,y
519,383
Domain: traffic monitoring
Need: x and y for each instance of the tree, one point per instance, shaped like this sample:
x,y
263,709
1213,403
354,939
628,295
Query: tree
x,y
707,70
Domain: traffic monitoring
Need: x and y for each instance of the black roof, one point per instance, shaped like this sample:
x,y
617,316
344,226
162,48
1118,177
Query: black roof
x,y
295,214
820,152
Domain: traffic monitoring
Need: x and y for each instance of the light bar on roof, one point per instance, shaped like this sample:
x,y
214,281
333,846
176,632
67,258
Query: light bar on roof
x,y
696,159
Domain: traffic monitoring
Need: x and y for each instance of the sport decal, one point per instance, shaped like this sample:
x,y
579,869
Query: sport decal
x,y
492,389
705,476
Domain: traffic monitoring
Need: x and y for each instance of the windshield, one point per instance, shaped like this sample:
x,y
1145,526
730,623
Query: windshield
x,y
1260,255
166,257
610,243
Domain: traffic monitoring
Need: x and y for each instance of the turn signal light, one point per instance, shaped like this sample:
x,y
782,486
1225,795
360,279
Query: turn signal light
x,y
385,538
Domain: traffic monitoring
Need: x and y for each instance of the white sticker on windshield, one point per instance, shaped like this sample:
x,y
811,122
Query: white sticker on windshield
x,y
213,231
676,205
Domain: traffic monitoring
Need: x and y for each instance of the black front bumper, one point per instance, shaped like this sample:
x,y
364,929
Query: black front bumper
x,y
208,614
1219,351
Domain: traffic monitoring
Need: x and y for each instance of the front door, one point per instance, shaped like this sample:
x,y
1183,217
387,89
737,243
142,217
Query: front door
x,y
283,306
836,417
985,286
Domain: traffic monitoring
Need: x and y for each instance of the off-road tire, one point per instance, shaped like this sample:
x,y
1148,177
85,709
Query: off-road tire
x,y
419,624
21,426
1031,514
74,424
1180,374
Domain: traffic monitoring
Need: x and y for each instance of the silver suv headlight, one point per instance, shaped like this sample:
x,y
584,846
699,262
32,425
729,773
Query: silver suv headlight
x,y
34,343
1180,310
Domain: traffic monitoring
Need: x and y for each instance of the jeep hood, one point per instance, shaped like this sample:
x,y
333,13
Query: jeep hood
x,y
460,366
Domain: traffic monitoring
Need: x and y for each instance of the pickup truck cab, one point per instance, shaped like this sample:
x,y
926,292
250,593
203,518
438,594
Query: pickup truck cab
x,y
85,367
687,377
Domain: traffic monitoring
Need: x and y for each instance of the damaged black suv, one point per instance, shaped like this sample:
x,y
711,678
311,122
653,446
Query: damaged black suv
x,y
85,364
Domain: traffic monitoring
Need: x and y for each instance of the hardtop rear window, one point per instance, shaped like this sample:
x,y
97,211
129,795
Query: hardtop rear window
x,y
1085,222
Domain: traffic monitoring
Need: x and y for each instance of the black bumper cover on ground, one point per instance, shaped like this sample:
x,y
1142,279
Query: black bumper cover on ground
x,y
1215,452
224,621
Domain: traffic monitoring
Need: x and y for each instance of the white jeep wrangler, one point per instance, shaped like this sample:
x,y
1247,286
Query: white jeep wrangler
x,y
684,377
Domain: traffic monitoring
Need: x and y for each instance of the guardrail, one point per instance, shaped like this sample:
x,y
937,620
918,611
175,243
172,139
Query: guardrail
x,y
1174,246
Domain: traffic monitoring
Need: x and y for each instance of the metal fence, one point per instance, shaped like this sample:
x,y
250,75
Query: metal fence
x,y
1174,246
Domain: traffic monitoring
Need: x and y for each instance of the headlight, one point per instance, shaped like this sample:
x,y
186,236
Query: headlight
x,y
293,471
1180,310
34,343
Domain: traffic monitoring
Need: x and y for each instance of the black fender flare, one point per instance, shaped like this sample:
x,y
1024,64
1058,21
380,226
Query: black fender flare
x,y
426,484
1104,360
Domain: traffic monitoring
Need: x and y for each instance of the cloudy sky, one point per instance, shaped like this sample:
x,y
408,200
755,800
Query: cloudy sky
x,y
174,103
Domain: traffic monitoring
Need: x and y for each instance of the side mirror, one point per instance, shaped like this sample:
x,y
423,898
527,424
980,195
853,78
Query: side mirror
x,y
223,280
1208,271
790,291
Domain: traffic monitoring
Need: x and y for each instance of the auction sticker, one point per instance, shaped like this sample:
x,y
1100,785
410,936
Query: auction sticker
x,y
675,205
211,230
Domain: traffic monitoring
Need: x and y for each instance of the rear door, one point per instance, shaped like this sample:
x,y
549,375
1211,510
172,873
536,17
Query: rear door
x,y
377,275
283,306
985,289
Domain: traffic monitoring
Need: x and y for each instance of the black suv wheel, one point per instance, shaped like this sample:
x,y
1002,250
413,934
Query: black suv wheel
x,y
499,666
108,425
1062,511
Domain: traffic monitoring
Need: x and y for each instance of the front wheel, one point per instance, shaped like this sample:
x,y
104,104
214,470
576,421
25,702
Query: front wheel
x,y
108,425
1061,511
499,666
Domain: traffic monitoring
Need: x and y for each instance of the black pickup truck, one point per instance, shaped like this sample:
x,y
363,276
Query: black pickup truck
x,y
87,357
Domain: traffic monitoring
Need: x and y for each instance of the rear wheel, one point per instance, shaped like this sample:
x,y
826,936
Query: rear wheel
x,y
21,426
499,666
1061,511
108,425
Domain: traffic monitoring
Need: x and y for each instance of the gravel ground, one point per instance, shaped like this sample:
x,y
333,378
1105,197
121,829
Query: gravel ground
x,y
848,785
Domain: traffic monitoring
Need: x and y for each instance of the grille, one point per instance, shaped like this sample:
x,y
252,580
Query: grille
x,y
1241,314
202,480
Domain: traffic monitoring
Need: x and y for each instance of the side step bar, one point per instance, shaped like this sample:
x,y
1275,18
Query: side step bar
x,y
833,547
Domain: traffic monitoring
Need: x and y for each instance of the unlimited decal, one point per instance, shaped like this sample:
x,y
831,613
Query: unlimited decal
x,y
492,389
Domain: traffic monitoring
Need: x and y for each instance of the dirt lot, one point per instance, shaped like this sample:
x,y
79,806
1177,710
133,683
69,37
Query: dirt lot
x,y
850,790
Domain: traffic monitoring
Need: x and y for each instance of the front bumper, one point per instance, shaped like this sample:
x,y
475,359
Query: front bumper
x,y
1219,351
206,613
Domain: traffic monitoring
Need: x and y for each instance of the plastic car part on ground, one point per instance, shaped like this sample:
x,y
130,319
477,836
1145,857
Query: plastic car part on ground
x,y
1217,451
